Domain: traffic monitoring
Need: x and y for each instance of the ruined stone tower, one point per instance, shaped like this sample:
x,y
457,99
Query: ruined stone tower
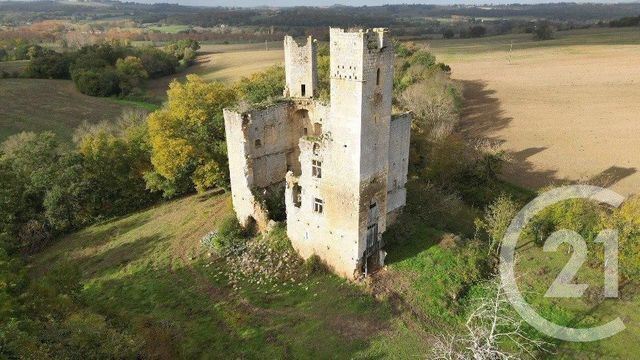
x,y
301,70
343,164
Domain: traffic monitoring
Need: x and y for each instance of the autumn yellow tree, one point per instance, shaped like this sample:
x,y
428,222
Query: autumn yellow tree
x,y
187,137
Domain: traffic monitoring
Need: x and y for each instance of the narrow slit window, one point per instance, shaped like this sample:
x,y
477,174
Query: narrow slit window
x,y
378,77
316,169
258,143
318,205
303,90
372,235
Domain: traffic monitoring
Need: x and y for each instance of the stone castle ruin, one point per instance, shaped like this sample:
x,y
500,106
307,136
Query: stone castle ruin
x,y
343,165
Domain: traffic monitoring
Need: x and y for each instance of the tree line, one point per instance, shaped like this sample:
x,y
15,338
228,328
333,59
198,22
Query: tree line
x,y
108,69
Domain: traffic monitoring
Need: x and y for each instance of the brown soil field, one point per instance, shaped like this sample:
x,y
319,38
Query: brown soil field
x,y
567,113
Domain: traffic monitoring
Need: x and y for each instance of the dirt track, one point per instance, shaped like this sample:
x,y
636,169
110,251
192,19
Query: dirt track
x,y
564,113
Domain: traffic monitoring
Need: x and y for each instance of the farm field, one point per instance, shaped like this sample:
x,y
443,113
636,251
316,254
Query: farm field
x,y
51,105
226,63
565,109
12,67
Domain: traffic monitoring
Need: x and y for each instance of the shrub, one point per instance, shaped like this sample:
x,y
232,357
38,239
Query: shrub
x,y
422,57
263,86
158,63
49,65
97,82
405,50
272,198
477,31
229,237
131,73
33,236
314,265
543,31
496,220
448,34
187,137
625,22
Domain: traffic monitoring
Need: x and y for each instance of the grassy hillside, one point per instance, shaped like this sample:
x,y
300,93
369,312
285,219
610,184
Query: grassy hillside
x,y
53,105
538,269
147,272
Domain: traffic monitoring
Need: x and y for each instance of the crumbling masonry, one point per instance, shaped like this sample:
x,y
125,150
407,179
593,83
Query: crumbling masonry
x,y
343,164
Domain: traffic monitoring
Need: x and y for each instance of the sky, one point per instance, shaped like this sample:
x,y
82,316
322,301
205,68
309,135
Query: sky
x,y
249,3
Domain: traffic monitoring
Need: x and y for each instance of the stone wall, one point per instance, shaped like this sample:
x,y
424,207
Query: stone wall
x,y
300,68
399,141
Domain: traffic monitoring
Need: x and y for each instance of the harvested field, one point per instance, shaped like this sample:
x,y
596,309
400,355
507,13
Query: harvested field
x,y
226,63
565,111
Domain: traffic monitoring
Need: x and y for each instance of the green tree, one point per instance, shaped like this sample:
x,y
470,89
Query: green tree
x,y
187,137
131,73
97,82
543,31
262,86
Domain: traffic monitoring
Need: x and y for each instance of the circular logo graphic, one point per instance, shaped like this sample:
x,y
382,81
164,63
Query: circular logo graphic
x,y
507,262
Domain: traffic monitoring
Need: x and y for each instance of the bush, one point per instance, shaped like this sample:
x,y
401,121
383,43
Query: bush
x,y
543,31
97,82
187,137
497,218
625,22
477,31
263,86
314,265
91,66
272,199
229,237
49,65
33,236
158,63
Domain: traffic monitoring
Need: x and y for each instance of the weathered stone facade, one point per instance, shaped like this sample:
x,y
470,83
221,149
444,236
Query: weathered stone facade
x,y
343,164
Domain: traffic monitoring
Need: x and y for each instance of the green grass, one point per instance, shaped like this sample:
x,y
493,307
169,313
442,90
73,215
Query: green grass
x,y
537,270
148,273
462,49
169,29
436,272
148,268
12,67
141,104
53,105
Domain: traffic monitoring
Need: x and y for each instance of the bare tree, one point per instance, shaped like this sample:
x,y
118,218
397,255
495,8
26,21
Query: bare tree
x,y
432,105
492,325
